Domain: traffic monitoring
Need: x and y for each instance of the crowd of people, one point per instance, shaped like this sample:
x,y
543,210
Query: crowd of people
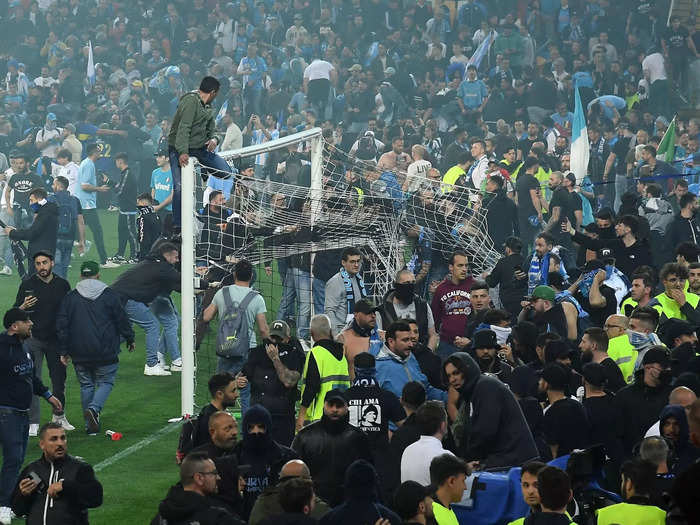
x,y
581,337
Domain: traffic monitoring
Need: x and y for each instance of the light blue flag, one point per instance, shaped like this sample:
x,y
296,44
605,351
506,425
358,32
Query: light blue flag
x,y
222,112
580,149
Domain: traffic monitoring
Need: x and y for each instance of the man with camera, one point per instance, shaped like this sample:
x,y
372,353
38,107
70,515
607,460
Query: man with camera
x,y
56,488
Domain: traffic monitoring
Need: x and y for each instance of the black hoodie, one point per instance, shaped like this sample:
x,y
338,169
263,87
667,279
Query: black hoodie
x,y
498,434
43,231
187,507
264,456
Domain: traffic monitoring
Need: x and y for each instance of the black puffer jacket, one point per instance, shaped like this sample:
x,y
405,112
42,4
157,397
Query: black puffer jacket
x,y
184,507
497,432
81,491
43,231
328,449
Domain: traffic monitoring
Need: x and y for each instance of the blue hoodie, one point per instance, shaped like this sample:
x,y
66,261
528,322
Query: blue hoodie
x,y
393,373
685,454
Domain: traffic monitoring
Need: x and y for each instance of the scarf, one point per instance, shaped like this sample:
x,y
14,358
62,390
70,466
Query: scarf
x,y
349,293
375,343
502,332
566,296
539,271
614,278
365,377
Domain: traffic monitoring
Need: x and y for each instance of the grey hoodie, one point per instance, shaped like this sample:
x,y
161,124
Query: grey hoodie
x,y
90,288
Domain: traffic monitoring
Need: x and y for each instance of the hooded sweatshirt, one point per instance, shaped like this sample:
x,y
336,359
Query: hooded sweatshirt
x,y
264,456
90,324
491,426
684,453
361,506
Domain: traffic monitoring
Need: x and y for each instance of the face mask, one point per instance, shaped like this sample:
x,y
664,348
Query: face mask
x,y
405,291
256,442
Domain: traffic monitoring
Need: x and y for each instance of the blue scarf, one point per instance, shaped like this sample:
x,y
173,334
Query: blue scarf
x,y
539,272
365,377
566,296
349,293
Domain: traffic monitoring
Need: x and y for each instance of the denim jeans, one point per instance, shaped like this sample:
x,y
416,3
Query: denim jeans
x,y
286,308
96,383
142,315
6,257
57,371
319,295
14,428
205,158
166,313
64,249
233,366
301,281
621,184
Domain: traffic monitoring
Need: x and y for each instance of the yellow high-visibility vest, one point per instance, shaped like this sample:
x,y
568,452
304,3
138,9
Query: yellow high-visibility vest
x,y
333,373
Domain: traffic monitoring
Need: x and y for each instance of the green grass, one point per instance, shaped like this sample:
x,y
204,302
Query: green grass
x,y
138,407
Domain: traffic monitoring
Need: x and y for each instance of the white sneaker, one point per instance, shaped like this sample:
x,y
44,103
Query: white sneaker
x,y
33,429
110,264
155,370
161,361
176,366
6,270
5,515
61,420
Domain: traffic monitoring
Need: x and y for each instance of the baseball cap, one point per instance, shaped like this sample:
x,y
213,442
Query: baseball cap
x,y
657,354
604,253
364,306
675,328
279,329
485,339
407,498
556,376
594,374
51,116
89,269
13,315
543,292
335,395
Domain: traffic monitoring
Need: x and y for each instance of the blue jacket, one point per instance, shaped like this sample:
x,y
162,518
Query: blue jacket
x,y
91,323
393,373
17,380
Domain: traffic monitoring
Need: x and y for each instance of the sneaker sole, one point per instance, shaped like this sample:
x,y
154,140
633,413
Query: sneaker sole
x,y
93,424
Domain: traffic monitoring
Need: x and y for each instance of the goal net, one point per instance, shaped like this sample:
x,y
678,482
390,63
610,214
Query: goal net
x,y
294,204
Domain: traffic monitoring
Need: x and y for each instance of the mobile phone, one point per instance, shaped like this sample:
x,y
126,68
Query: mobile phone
x,y
40,485
28,293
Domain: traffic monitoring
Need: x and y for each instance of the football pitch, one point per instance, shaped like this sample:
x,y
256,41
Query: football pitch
x,y
137,470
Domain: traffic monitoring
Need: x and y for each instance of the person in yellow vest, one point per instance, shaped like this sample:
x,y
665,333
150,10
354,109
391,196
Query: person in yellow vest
x,y
510,164
326,369
528,486
448,474
554,487
674,302
457,174
620,349
637,484
640,293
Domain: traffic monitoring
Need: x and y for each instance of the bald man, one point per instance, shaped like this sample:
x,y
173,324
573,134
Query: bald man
x,y
682,396
268,505
224,435
620,349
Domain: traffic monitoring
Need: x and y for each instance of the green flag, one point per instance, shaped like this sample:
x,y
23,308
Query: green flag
x,y
667,146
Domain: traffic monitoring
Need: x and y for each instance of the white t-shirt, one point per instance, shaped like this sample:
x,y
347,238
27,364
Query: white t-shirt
x,y
415,173
318,69
415,461
655,64
52,149
70,171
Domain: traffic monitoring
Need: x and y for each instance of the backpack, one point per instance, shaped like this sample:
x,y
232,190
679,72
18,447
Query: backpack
x,y
67,215
232,339
366,148
188,437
